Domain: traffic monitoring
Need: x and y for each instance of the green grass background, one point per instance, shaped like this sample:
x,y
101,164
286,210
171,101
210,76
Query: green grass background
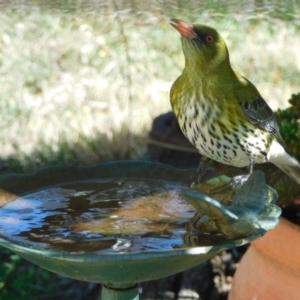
x,y
81,82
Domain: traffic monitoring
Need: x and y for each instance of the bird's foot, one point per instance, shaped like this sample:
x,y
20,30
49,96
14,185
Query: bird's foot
x,y
234,182
201,171
239,180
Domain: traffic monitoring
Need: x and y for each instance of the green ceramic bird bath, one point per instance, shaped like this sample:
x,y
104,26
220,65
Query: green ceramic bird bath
x,y
121,223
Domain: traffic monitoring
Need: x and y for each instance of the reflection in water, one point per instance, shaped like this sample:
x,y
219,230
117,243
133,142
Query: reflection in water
x,y
93,216
101,216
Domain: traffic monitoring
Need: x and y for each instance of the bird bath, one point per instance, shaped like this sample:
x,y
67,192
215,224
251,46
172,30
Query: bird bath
x,y
121,223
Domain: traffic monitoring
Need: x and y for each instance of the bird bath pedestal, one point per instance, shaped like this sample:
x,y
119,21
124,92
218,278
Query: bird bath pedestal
x,y
122,223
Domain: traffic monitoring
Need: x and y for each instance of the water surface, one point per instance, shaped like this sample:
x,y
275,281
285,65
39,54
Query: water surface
x,y
100,216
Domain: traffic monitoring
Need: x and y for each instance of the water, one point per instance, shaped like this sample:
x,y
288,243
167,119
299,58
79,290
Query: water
x,y
115,216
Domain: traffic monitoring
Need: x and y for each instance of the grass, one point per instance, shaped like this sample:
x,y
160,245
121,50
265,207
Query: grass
x,y
81,81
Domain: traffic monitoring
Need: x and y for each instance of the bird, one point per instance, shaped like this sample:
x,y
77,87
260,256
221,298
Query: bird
x,y
220,111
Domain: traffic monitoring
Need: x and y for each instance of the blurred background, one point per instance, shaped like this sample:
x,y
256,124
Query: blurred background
x,y
81,82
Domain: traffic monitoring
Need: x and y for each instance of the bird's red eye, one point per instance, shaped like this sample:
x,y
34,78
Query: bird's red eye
x,y
210,39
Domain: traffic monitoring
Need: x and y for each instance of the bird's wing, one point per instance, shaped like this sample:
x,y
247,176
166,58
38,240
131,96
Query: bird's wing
x,y
257,110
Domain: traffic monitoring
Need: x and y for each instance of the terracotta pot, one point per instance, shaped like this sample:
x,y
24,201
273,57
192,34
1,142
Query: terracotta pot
x,y
270,269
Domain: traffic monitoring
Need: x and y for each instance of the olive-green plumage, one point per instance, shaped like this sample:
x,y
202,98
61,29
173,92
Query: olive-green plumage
x,y
221,112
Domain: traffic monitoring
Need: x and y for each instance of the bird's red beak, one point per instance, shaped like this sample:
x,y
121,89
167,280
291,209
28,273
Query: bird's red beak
x,y
184,28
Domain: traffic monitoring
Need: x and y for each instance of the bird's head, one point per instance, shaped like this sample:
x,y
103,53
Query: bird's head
x,y
203,47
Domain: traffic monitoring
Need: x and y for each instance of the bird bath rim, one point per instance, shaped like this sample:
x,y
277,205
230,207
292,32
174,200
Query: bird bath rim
x,y
111,269
20,184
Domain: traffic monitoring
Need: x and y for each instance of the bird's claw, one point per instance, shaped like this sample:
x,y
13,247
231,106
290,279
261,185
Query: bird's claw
x,y
239,180
234,182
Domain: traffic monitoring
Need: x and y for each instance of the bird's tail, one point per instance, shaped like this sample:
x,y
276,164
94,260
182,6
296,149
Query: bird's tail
x,y
284,161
